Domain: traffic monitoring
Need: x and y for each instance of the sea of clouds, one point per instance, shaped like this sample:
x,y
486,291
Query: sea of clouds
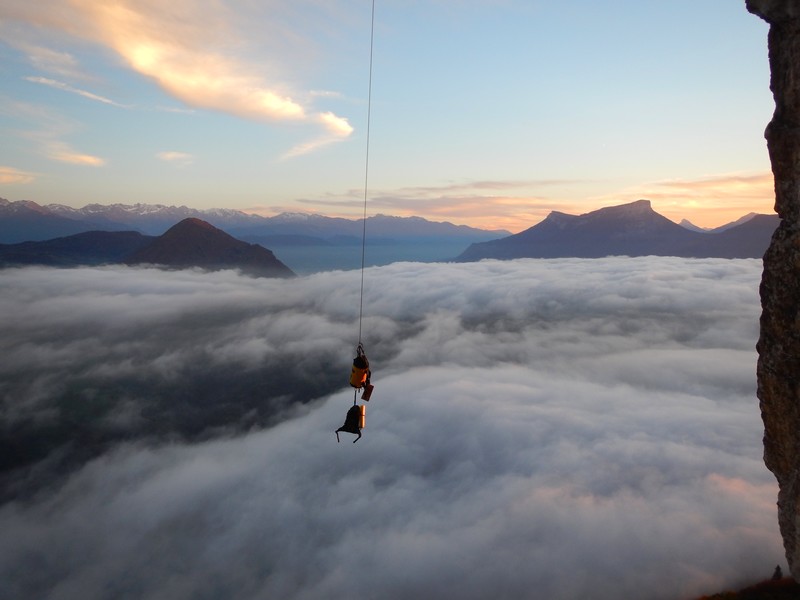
x,y
554,429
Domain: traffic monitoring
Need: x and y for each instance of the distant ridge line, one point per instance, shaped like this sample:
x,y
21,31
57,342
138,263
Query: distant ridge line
x,y
632,229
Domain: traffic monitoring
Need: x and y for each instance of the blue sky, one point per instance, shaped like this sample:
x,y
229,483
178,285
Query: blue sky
x,y
490,113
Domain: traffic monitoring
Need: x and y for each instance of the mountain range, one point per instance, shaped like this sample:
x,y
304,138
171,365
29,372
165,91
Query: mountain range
x,y
315,242
307,243
188,244
25,220
633,229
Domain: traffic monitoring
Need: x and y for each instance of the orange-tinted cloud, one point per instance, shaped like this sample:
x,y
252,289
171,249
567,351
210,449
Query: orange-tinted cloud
x,y
178,158
63,152
186,47
46,129
190,48
11,175
517,205
166,42
337,129
486,204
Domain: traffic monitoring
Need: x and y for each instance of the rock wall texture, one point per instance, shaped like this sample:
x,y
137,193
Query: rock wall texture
x,y
779,341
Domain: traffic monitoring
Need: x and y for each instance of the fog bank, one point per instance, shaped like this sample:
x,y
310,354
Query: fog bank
x,y
539,429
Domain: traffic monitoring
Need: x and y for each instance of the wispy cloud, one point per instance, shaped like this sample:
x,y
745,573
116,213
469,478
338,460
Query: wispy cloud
x,y
63,152
73,90
486,185
193,50
176,110
515,205
179,158
325,94
42,58
186,48
54,61
512,205
337,128
47,130
11,175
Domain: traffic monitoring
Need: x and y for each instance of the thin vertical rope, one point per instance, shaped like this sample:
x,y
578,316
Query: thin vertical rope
x,y
366,172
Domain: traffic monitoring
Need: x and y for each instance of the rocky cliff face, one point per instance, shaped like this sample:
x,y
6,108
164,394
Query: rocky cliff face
x,y
779,342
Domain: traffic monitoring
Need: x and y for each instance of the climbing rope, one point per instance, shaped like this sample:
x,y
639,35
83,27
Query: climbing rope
x,y
366,174
360,373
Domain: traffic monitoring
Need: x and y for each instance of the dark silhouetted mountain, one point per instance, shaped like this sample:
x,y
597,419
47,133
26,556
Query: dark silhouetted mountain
x,y
308,242
89,248
633,229
312,242
740,221
736,223
750,239
196,243
687,224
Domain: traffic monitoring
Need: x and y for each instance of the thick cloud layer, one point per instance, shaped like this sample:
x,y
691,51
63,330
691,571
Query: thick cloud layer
x,y
539,429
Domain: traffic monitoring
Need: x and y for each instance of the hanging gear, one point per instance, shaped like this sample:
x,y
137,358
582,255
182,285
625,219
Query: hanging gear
x,y
354,421
360,374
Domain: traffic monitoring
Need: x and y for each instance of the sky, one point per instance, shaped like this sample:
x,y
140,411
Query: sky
x,y
489,113
554,429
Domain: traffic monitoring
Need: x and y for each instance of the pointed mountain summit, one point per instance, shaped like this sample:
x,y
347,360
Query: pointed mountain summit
x,y
687,224
633,229
196,243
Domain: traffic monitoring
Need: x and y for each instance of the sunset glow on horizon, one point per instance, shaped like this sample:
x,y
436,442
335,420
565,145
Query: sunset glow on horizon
x,y
706,203
483,114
